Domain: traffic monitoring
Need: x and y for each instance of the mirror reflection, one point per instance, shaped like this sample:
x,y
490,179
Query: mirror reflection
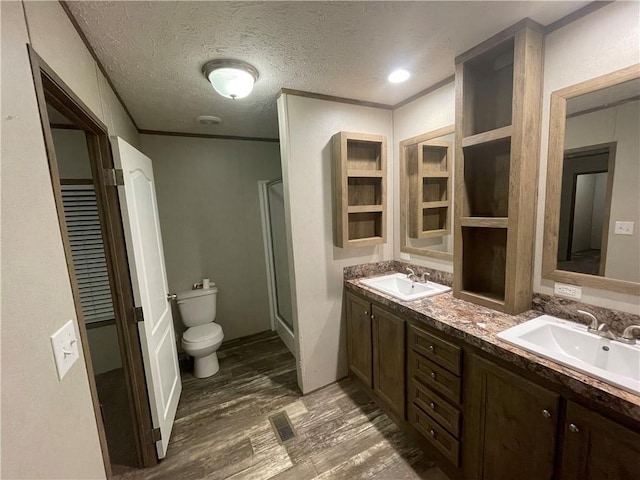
x,y
427,194
600,199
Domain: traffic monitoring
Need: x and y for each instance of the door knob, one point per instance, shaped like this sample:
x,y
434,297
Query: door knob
x,y
171,297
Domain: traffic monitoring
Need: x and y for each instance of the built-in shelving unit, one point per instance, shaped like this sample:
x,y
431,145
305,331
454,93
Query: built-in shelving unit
x,y
429,173
498,97
359,189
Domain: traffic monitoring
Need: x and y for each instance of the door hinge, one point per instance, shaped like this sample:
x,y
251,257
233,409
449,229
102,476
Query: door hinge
x,y
138,315
154,435
113,177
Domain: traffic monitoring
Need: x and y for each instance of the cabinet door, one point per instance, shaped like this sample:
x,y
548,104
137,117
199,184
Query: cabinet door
x,y
596,448
359,338
511,425
389,359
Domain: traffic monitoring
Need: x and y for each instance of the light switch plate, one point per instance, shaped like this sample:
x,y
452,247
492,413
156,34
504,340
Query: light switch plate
x,y
623,228
65,348
569,291
405,256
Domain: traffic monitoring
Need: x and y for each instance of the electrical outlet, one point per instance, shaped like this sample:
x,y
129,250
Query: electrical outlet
x,y
65,348
569,291
405,256
623,228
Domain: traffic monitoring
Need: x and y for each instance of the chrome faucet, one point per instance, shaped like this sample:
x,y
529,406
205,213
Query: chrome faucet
x,y
628,334
412,275
597,328
595,324
424,278
603,331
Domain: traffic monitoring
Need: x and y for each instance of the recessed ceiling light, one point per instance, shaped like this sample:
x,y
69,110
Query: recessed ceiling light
x,y
208,120
230,78
399,76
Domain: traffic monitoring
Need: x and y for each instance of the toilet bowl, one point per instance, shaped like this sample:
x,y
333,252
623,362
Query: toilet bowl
x,y
203,337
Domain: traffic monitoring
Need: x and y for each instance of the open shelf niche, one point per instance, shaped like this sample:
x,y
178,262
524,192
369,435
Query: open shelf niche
x,y
498,96
429,172
359,189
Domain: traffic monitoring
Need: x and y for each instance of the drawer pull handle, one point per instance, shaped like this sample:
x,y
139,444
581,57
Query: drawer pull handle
x,y
433,375
546,413
366,313
432,433
432,405
573,428
432,348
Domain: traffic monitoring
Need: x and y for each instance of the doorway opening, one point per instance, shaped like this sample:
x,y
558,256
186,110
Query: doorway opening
x,y
79,156
587,186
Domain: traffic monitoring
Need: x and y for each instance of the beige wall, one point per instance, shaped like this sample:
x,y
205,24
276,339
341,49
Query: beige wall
x,y
425,114
306,128
582,50
211,226
37,409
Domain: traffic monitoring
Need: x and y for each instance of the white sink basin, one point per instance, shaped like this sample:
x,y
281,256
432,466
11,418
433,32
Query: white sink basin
x,y
570,344
399,286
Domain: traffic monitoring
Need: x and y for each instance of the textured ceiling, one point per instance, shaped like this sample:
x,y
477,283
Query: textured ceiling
x,y
153,51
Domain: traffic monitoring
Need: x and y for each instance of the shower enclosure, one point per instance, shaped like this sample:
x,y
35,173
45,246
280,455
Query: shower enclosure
x,y
276,254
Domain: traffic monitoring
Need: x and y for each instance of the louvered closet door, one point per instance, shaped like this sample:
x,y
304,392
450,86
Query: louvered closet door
x,y
87,250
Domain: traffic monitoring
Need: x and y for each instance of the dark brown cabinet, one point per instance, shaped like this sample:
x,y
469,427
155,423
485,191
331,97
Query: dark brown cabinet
x,y
359,338
376,352
435,390
511,425
596,448
478,418
388,359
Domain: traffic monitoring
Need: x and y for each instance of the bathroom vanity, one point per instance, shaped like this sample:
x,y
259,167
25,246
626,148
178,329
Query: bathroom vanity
x,y
480,407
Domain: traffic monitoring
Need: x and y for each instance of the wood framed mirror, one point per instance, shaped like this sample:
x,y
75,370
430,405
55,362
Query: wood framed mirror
x,y
426,194
592,211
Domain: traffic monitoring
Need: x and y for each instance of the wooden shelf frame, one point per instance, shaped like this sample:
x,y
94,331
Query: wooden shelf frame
x,y
427,161
501,227
359,189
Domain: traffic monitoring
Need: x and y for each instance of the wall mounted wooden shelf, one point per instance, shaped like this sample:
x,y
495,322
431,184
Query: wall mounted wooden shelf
x,y
429,172
359,189
498,110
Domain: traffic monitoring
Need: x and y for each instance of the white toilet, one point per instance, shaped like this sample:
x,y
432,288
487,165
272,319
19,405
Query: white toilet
x,y
202,338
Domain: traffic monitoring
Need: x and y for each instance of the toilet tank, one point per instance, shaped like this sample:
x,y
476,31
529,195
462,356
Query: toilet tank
x,y
197,307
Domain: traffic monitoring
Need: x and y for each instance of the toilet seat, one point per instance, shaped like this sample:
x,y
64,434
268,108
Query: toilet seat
x,y
203,334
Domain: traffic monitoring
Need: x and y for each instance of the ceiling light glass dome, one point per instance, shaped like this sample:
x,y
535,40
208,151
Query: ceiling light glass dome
x,y
230,78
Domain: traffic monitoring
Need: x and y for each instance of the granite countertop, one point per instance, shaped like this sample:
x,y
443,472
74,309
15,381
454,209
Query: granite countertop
x,y
478,326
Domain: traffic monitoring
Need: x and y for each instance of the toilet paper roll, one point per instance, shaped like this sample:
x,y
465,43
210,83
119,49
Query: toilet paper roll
x,y
206,283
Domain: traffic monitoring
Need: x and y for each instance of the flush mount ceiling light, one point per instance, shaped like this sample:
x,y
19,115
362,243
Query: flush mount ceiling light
x,y
399,76
230,78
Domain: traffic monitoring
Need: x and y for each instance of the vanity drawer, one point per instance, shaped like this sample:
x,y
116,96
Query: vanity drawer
x,y
442,440
435,377
436,349
435,406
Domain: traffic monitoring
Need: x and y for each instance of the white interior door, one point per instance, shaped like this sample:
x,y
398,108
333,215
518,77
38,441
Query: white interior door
x,y
148,276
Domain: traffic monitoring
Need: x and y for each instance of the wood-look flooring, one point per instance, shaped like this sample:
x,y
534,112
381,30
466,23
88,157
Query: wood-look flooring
x,y
222,428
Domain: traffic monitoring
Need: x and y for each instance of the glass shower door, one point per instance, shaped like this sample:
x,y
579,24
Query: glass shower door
x,y
275,197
